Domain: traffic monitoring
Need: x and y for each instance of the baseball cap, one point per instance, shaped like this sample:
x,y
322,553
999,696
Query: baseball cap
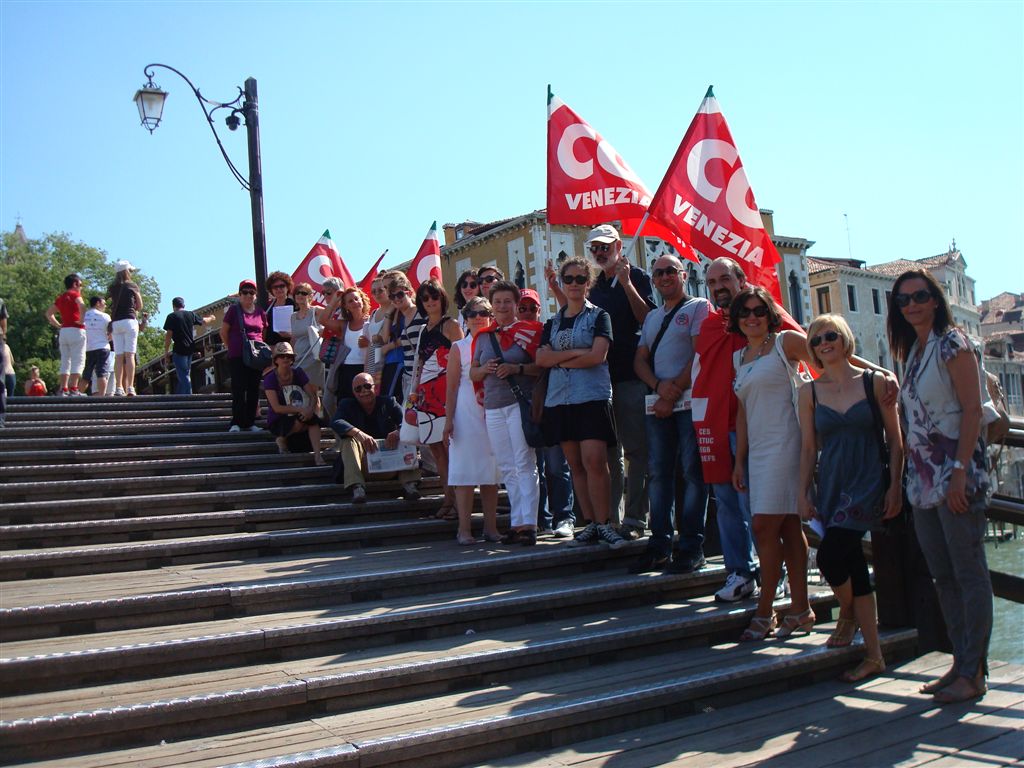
x,y
605,233
528,294
122,264
247,284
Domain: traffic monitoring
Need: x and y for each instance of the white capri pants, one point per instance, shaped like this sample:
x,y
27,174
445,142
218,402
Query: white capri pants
x,y
72,351
517,463
126,336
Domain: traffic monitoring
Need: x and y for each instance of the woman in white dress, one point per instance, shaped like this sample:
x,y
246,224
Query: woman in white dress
x,y
471,462
768,455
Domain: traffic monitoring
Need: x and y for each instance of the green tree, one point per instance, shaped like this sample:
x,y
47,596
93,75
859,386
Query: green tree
x,y
32,275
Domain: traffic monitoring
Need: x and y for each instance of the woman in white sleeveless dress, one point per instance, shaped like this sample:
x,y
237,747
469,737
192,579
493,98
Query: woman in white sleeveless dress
x,y
768,455
471,462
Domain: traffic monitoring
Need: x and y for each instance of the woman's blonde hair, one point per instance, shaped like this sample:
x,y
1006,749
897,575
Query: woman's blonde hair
x,y
363,299
842,328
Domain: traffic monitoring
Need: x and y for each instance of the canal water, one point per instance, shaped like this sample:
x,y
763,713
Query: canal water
x,y
1008,629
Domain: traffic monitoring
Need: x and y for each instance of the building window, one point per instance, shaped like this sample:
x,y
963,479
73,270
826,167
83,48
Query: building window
x,y
888,298
794,298
851,297
824,301
876,300
460,233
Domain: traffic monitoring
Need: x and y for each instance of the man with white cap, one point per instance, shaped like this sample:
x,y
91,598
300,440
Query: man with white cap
x,y
625,293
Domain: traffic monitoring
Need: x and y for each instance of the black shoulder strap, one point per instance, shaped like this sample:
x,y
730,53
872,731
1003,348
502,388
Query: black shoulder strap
x,y
876,413
814,392
516,389
666,321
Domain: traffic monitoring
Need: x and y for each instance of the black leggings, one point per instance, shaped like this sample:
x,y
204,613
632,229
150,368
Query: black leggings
x,y
245,393
841,557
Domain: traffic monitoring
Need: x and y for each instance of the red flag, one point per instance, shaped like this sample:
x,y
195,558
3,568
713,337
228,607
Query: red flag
x,y
323,261
706,197
426,264
366,284
589,183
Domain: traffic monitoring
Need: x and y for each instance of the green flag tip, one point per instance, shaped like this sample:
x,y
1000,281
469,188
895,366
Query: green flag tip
x,y
434,225
327,234
710,94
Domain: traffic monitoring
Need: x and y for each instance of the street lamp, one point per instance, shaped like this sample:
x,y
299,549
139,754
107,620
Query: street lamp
x,y
150,101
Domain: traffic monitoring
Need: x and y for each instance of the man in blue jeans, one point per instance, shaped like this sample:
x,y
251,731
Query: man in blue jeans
x,y
663,360
178,328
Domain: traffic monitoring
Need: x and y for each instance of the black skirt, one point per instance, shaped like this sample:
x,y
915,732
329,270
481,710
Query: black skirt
x,y
578,422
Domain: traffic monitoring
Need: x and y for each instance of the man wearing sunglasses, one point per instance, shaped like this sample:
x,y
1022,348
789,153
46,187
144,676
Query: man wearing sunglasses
x,y
360,422
624,292
662,362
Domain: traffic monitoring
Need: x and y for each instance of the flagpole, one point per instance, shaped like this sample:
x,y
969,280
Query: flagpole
x,y
547,220
636,237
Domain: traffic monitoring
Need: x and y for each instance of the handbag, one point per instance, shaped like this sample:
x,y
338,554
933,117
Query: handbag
x,y
531,429
876,418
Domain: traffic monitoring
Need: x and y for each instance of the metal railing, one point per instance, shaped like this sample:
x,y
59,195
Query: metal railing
x,y
1009,510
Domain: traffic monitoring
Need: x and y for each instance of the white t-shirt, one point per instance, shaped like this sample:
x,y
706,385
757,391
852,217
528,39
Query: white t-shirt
x,y
356,354
96,330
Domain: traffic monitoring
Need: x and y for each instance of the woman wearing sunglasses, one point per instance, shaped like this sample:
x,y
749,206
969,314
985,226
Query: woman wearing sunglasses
x,y
433,346
466,287
280,287
377,320
578,407
853,493
244,320
471,462
399,337
768,455
947,484
303,319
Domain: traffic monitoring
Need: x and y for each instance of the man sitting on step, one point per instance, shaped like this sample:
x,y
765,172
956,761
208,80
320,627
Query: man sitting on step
x,y
359,423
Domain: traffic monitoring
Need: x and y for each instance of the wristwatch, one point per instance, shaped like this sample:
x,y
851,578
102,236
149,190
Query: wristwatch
x,y
957,464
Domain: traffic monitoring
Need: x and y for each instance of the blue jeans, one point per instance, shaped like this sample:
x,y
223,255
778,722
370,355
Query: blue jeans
x,y
555,488
733,511
183,368
672,445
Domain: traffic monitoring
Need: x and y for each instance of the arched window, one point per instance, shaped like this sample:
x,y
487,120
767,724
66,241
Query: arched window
x,y
795,302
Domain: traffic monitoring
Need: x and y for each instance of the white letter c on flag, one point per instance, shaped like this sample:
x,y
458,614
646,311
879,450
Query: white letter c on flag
x,y
702,153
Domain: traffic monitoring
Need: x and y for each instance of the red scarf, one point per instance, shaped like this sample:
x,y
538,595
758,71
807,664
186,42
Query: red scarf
x,y
525,333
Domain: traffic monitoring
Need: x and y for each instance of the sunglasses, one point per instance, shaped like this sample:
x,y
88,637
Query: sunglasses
x,y
761,311
431,296
397,296
665,272
468,284
477,313
527,309
489,279
247,293
570,279
919,297
363,388
828,336
600,248
302,293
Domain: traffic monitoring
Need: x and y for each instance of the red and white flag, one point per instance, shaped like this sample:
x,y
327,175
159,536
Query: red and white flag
x,y
589,183
323,261
705,196
426,264
366,284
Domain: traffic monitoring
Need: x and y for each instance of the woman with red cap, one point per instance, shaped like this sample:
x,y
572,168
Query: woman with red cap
x,y
243,322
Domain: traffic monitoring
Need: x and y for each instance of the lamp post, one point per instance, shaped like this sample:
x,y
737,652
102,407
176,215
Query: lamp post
x,y
150,100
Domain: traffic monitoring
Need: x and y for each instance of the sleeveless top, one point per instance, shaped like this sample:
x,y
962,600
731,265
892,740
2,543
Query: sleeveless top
x,y
851,483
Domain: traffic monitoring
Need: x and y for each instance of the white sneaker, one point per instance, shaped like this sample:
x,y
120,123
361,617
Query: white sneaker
x,y
254,428
736,588
235,428
131,392
118,392
358,494
565,530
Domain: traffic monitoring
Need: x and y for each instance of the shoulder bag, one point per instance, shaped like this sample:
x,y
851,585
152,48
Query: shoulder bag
x,y
256,353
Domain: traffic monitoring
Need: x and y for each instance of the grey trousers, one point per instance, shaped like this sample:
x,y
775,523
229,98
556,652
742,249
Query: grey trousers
x,y
953,547
631,429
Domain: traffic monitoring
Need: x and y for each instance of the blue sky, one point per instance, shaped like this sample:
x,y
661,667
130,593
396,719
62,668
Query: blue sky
x,y
378,118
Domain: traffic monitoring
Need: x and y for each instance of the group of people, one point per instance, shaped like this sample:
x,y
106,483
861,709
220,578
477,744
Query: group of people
x,y
93,344
616,401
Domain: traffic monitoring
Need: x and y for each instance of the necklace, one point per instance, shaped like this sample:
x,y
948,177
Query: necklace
x,y
760,350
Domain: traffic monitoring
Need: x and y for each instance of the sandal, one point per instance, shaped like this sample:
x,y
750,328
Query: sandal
x,y
970,689
797,622
760,628
867,668
492,538
937,685
447,512
465,541
842,635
